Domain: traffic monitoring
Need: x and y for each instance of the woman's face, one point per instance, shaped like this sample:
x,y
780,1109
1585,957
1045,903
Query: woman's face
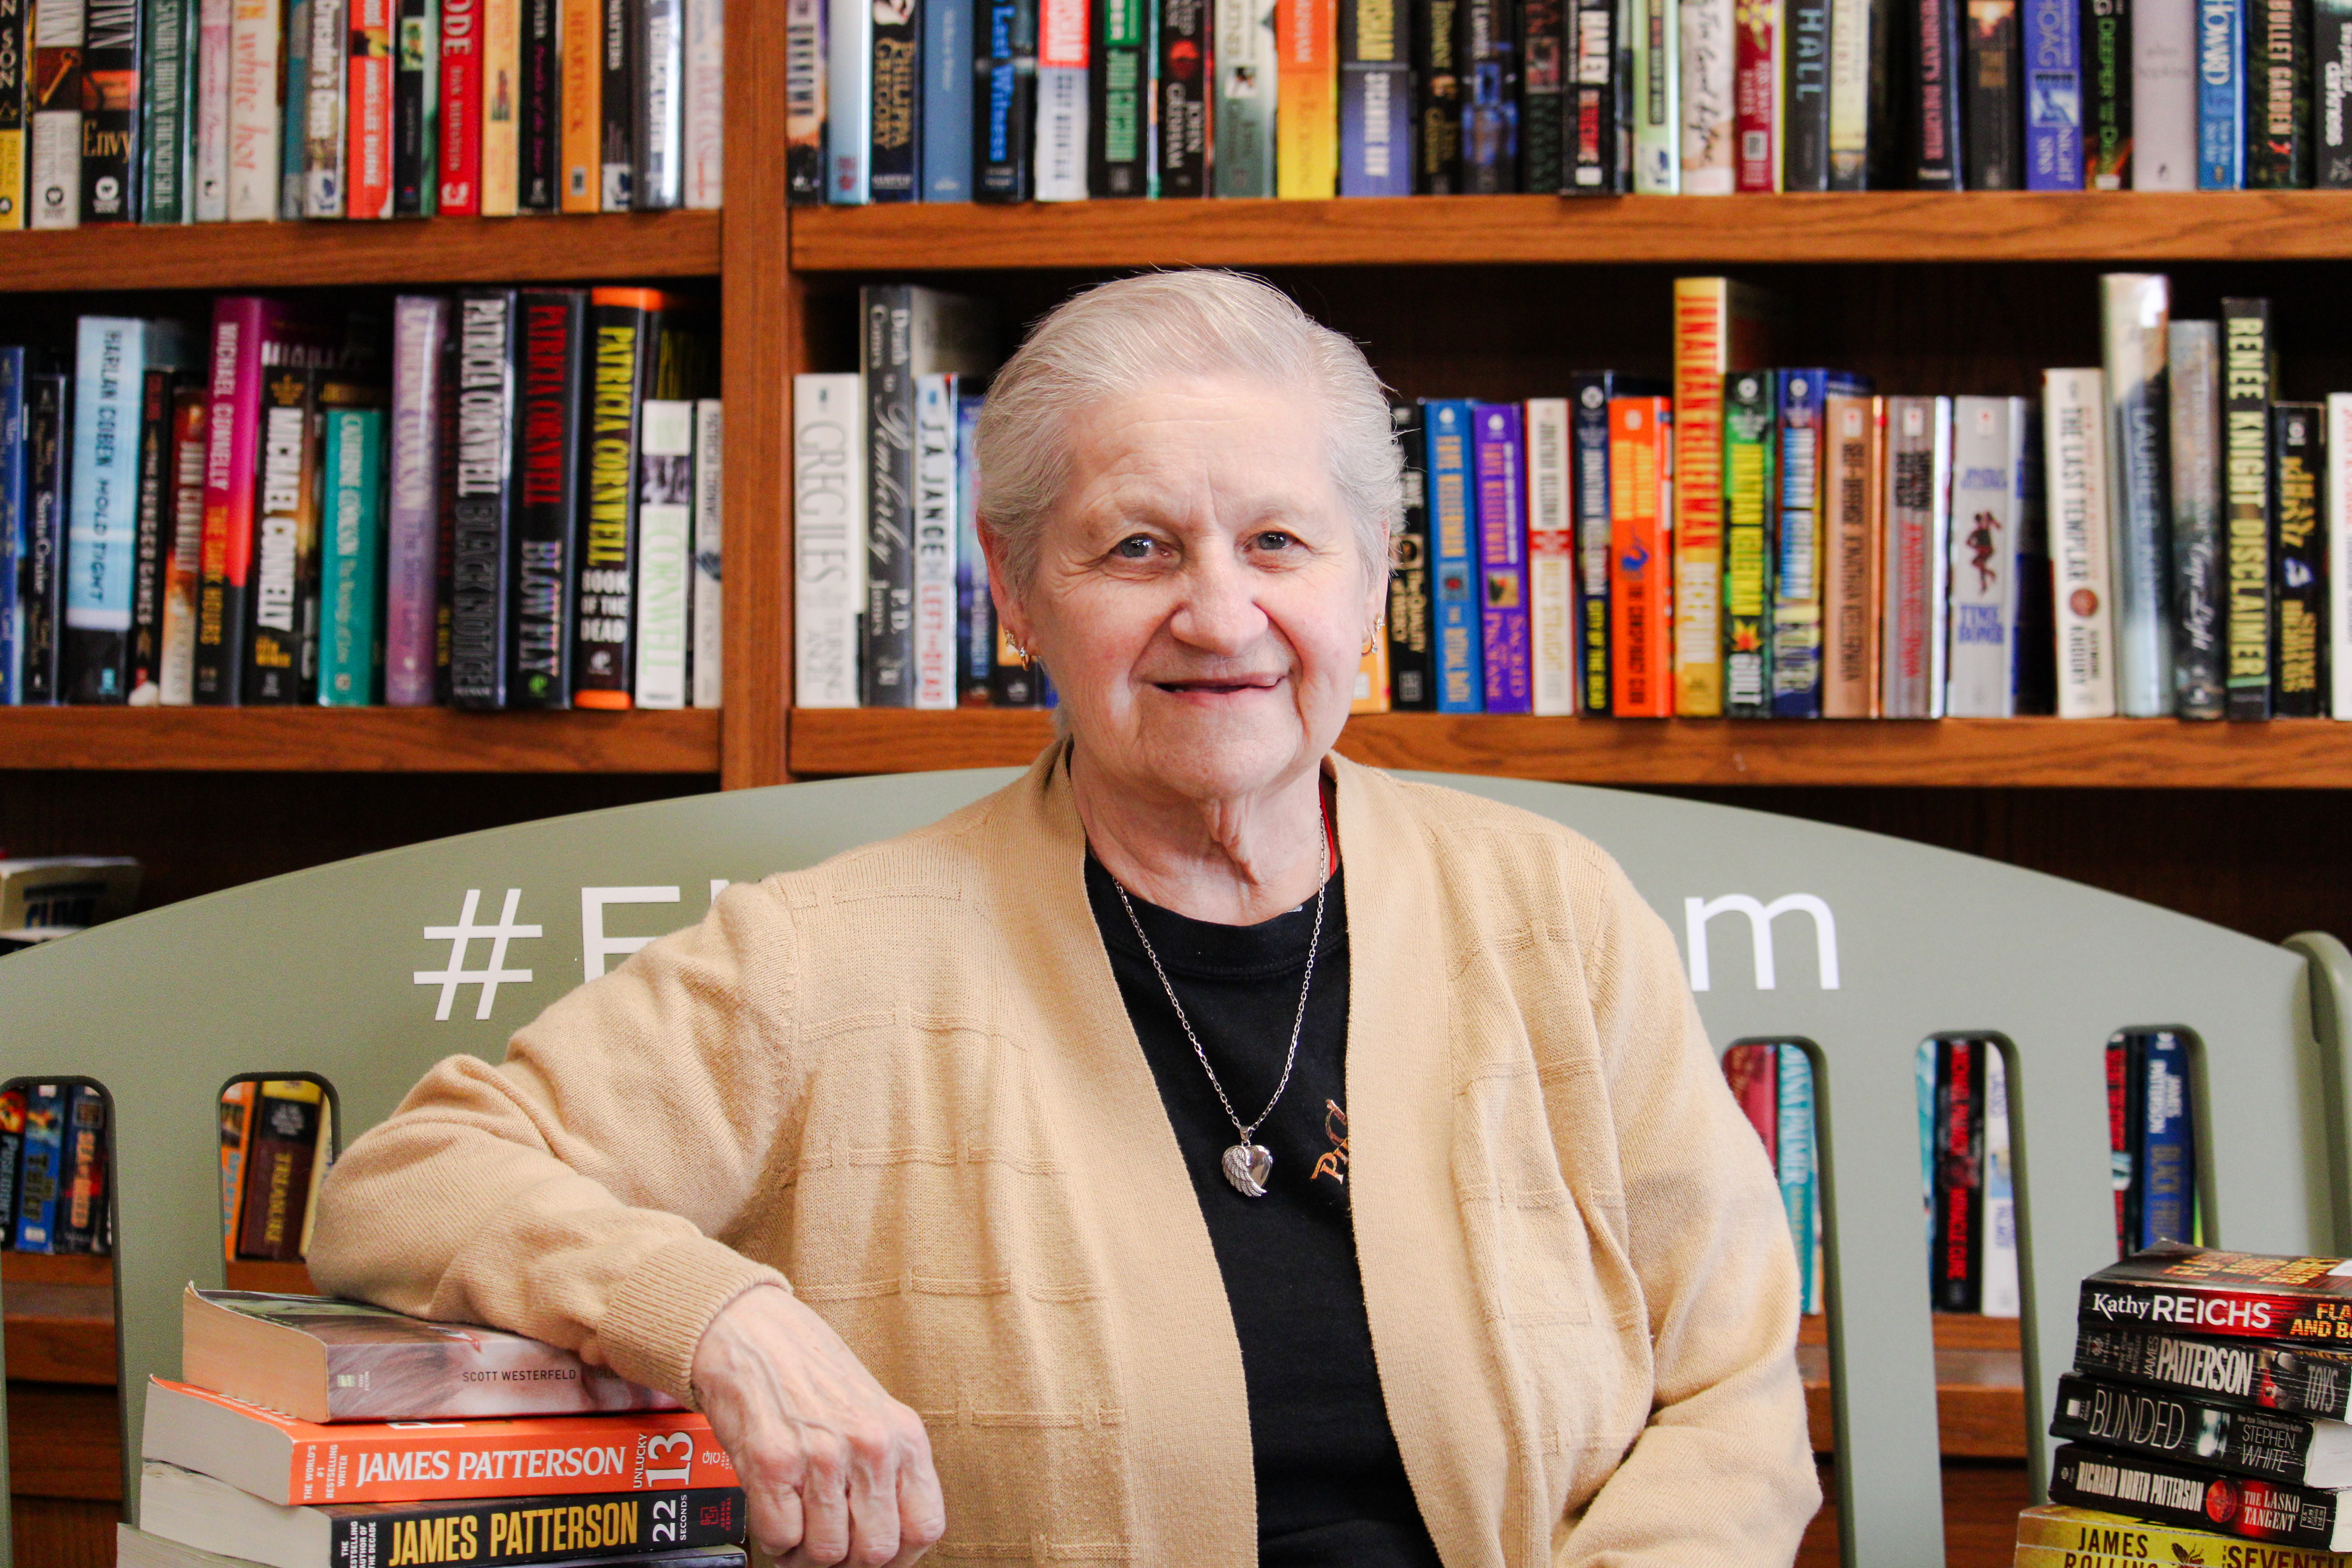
x,y
1200,598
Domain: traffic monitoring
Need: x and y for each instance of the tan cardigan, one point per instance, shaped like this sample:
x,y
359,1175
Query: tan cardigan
x,y
904,1081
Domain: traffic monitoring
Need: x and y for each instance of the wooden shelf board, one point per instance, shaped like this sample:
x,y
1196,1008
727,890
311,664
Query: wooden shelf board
x,y
360,739
430,250
1878,226
56,1268
1963,752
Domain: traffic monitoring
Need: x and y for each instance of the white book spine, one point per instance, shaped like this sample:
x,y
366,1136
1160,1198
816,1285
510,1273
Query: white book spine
x,y
1850,60
1551,559
2164,95
176,672
935,542
2135,309
1706,33
1061,151
212,110
828,537
1999,1293
705,101
850,100
2074,445
664,550
659,183
1940,536
2339,554
323,127
1657,94
54,164
1248,98
254,88
709,490
1986,511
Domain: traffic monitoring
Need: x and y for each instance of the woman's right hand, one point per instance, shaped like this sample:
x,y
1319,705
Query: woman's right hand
x,y
836,1470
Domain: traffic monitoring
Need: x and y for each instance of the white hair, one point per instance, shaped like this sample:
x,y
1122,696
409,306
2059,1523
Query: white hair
x,y
1119,337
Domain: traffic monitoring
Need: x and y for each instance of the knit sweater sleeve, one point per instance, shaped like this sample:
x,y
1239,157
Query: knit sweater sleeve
x,y
583,1191
1724,1471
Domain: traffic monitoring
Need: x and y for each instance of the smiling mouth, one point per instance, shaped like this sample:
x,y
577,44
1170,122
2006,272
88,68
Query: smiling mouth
x,y
1219,688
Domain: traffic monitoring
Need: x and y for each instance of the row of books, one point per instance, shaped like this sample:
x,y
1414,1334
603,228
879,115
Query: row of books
x,y
310,1433
510,499
1967,1188
2206,1408
1007,100
277,1141
204,111
1774,1085
54,1161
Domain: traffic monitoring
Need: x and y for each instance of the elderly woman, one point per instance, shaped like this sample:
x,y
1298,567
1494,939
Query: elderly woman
x,y
1203,1150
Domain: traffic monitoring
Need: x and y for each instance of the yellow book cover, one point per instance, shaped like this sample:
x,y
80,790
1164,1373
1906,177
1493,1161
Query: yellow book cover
x,y
1719,326
583,101
1306,123
2056,1536
502,84
12,178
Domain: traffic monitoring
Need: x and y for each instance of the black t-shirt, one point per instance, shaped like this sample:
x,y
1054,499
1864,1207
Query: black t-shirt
x,y
1331,1486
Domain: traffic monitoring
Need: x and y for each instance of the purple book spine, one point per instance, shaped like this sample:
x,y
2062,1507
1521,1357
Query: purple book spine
x,y
1498,462
413,531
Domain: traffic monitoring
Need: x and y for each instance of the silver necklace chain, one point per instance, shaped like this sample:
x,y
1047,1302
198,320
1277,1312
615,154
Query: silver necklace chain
x,y
1323,883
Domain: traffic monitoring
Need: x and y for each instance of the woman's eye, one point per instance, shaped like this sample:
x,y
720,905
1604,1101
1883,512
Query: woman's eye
x,y
1135,547
1275,538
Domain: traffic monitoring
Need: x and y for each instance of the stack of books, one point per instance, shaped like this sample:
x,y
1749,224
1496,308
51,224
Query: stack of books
x,y
312,1433
2208,1396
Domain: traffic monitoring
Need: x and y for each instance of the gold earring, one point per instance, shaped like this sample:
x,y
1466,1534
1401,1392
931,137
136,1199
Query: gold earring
x,y
1022,654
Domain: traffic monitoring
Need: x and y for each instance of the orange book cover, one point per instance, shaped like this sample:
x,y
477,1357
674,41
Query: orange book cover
x,y
280,1459
236,1139
1372,677
581,99
1307,91
1642,556
1852,510
1719,326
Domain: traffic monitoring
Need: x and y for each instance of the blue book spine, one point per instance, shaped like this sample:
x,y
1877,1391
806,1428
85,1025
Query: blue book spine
x,y
350,566
1498,459
36,1190
2053,96
293,95
2167,1169
975,611
1799,1167
1375,99
102,512
12,520
2220,95
1924,1075
947,117
1459,686
1797,549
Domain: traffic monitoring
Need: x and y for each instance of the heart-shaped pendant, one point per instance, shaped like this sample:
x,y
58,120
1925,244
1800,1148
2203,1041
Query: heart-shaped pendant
x,y
1246,1166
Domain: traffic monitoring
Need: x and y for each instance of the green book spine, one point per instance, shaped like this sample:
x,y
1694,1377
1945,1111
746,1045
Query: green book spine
x,y
350,652
167,110
1749,417
2246,497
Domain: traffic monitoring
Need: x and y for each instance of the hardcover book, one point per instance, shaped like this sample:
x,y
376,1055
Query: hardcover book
x,y
2053,98
2134,310
949,72
2296,1449
709,608
1936,105
102,564
975,610
2171,1492
416,1540
15,35
152,557
1641,563
1499,484
53,114
1305,126
828,538
1412,676
370,112
2300,1379
1805,162
2339,547
2246,494
481,466
1118,117
2173,1287
2332,79
416,104
1756,97
111,56
897,124
622,63
849,99
2106,90
1181,83
2075,414
1543,82
42,1180
624,328
412,515
1594,165
2164,95
1376,98
657,111
2199,590
1720,325
350,568
1657,100
1460,682
1750,424
2278,95
545,490
1859,112
934,542
1987,522
1551,559
167,86
538,129
1437,95
805,100
2298,635
41,599
1853,513
1798,553
1956,1267
1064,52
2046,1536
1708,49
2220,95
1490,107
1992,114
281,634
664,550
1005,103
1946,476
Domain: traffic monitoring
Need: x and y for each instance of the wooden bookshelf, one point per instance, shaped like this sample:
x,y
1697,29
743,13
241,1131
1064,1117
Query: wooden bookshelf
x,y
1965,752
358,740
2135,226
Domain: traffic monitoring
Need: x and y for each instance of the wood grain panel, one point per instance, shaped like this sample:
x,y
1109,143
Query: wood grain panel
x,y
64,1532
64,1442
360,739
2075,753
1981,1502
56,1268
1879,225
310,255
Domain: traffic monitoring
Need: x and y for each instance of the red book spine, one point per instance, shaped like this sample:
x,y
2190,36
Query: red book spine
x,y
225,556
461,108
1754,1074
2118,1135
371,110
1642,556
1755,56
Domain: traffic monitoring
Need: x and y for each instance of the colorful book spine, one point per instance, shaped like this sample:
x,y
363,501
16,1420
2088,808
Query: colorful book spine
x,y
1490,101
369,116
2134,310
41,594
53,111
2214,1435
2331,74
2299,561
110,153
417,104
1991,114
2298,1379
281,629
1181,82
546,489
501,80
1376,98
2164,95
1461,679
1853,513
1594,91
2199,586
2106,92
1748,449
2246,469
12,1157
1797,1163
1705,308
1956,1274
1006,106
619,60
350,566
1986,518
665,551
1118,117
2189,1495
420,324
539,127
828,538
897,124
2220,95
1797,548
1413,678
327,68
1855,131
1658,97
167,111
1498,458
2339,551
103,510
293,102
933,671
256,84
1543,83
2075,414
1641,563
948,66
82,1203
1064,51
2168,1165
2278,95
849,100
1551,559
1437,95
1306,128
623,324
178,669
43,1178
1999,1297
16,35
708,608
1756,99
1805,163
1921,473
1588,413
240,326
702,101
1708,55
804,99
2053,98
581,105
975,610
1936,95
459,169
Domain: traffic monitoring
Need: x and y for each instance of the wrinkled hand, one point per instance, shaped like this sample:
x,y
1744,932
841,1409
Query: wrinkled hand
x,y
836,1471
